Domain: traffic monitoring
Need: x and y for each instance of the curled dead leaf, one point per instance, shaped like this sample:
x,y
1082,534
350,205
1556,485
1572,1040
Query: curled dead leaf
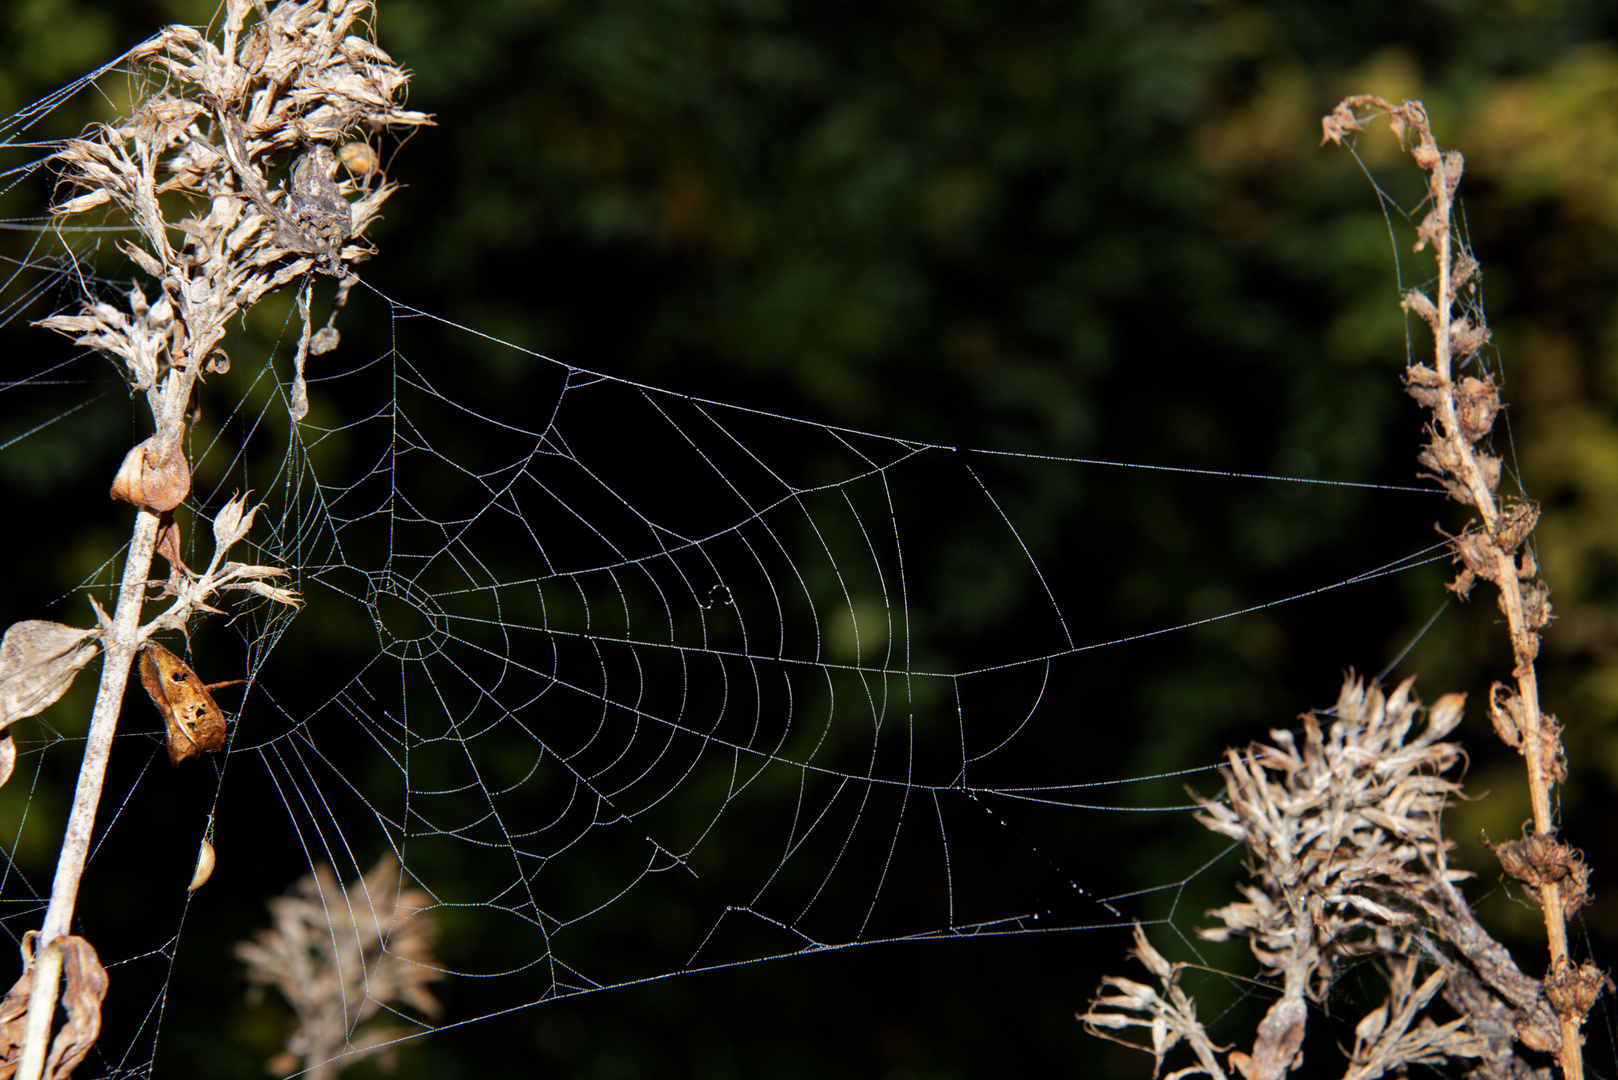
x,y
14,1010
38,662
194,725
169,543
84,987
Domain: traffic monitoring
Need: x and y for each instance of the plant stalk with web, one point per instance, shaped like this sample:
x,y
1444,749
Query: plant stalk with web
x,y
190,168
1346,852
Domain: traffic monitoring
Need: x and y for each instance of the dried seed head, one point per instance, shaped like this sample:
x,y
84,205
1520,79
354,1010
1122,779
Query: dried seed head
x,y
1536,602
1572,991
337,955
1341,827
1538,860
1515,524
1466,339
233,522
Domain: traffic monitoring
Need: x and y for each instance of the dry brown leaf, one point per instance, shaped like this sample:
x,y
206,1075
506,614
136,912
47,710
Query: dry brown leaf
x,y
14,1011
194,723
84,987
38,662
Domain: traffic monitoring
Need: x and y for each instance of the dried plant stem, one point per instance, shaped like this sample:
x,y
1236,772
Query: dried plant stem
x,y
1524,641
277,94
1464,410
1343,824
118,651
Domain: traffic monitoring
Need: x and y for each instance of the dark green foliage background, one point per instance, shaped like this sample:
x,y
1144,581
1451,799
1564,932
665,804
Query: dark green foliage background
x,y
1090,229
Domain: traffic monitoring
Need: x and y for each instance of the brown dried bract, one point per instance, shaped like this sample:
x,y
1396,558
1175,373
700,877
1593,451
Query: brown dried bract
x,y
148,478
1539,859
1574,990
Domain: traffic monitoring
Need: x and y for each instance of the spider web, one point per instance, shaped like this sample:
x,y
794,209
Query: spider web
x,y
631,684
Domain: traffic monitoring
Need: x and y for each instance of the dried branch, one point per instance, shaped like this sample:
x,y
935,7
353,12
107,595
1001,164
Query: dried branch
x,y
1493,549
1343,830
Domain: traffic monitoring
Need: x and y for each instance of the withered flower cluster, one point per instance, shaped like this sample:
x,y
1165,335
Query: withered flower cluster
x,y
1343,828
1347,861
337,956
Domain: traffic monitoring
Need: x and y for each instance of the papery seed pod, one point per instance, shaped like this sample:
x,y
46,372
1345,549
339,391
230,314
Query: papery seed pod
x,y
160,487
204,868
234,521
